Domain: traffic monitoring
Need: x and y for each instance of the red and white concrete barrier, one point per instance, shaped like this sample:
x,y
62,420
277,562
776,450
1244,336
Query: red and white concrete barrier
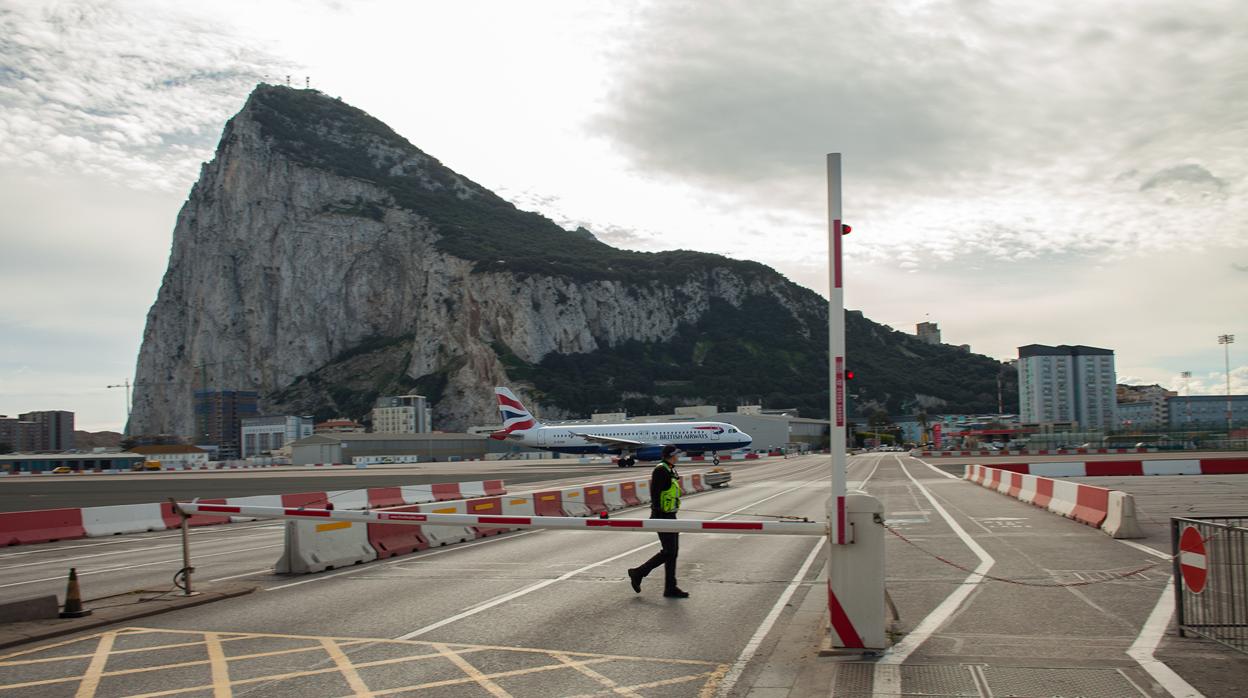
x,y
1122,468
1084,503
1036,452
41,526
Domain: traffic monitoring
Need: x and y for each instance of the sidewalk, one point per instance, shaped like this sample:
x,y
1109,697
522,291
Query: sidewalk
x,y
116,609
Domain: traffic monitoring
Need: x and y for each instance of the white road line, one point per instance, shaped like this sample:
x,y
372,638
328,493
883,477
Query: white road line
x,y
1153,632
245,574
938,470
730,679
198,530
888,667
1150,637
545,583
408,558
145,564
64,560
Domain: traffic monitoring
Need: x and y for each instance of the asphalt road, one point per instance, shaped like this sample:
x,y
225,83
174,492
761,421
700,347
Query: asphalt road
x,y
547,613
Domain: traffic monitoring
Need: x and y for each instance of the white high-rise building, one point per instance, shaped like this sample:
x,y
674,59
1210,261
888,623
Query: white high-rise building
x,y
402,414
1067,384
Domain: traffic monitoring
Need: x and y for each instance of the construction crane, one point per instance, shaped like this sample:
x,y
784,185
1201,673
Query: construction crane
x,y
125,384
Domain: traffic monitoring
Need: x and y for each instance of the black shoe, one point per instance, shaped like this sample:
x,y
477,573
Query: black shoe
x,y
635,577
675,593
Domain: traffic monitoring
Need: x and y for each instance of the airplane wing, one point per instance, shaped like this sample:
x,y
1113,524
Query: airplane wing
x,y
612,440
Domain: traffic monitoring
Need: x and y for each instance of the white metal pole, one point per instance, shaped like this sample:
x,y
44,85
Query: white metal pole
x,y
836,353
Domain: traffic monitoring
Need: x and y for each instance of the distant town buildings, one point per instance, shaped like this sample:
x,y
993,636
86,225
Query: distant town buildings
x,y
340,425
169,454
1143,405
218,419
1073,384
53,430
264,434
402,414
31,432
1206,411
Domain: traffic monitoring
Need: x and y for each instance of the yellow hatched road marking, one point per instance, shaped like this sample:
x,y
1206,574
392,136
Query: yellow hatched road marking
x,y
345,667
91,679
220,668
472,672
495,675
615,687
222,685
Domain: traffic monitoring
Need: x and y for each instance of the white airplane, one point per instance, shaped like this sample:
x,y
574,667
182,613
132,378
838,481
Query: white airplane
x,y
633,442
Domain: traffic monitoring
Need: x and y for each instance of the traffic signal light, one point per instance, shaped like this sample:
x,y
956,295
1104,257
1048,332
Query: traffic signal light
x,y
846,229
849,375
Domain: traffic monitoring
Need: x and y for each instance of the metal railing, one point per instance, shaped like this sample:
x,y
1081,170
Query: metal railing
x,y
1211,578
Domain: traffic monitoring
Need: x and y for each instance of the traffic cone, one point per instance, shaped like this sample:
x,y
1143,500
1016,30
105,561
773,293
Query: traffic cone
x,y
73,598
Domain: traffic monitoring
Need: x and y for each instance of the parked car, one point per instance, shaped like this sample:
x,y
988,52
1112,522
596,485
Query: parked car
x,y
60,470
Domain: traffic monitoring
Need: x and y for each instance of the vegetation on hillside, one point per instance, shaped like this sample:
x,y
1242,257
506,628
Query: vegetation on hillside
x,y
325,133
758,353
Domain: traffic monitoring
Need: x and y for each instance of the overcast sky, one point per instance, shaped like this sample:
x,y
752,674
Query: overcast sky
x,y
1053,173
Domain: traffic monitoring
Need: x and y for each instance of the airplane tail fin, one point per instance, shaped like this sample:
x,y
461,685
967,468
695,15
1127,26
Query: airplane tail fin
x,y
515,417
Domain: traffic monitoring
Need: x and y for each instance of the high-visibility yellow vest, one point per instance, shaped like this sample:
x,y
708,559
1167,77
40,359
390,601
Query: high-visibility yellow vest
x,y
669,499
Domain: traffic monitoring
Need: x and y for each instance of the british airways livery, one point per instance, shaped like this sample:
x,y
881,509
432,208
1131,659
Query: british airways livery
x,y
633,442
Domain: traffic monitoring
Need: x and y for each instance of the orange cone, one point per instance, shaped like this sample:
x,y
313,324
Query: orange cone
x,y
73,598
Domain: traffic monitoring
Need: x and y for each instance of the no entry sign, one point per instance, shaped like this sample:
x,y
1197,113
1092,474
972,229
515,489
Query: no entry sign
x,y
1193,561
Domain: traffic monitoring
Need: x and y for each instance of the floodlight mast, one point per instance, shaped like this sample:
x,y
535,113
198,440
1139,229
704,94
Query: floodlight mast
x,y
836,355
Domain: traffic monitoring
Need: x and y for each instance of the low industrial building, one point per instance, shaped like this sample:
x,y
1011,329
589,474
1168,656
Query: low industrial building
x,y
77,462
172,454
439,447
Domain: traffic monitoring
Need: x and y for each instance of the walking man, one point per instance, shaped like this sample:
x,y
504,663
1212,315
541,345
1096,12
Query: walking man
x,y
664,502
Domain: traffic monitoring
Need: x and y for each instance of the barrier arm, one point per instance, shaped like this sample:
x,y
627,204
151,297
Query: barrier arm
x,y
783,528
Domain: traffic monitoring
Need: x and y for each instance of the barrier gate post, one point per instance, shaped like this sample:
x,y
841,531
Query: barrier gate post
x,y
855,536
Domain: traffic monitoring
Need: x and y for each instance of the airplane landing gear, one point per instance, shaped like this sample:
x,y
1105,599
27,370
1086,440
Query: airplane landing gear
x,y
627,462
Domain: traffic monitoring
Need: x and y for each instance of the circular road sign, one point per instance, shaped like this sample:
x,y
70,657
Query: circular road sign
x,y
1193,561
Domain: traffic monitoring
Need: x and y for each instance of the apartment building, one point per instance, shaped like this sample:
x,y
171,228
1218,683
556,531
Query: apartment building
x,y
1067,384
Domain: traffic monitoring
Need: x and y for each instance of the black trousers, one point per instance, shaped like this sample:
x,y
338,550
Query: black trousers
x,y
666,557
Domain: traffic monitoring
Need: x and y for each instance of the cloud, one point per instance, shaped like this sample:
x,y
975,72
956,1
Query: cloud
x,y
992,130
127,92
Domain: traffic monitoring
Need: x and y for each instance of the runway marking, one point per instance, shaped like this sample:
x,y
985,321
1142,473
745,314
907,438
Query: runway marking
x,y
567,575
887,678
198,556
330,651
765,627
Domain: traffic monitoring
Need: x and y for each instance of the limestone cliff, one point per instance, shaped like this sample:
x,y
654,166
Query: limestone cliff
x,y
321,260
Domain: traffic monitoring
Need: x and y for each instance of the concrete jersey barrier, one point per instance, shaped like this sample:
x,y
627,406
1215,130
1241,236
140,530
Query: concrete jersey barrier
x,y
1109,510
47,525
316,549
1127,468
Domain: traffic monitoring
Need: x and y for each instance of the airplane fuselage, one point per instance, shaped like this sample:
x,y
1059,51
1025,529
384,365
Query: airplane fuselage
x,y
691,437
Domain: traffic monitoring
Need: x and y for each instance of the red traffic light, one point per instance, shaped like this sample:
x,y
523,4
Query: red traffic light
x,y
846,229
849,375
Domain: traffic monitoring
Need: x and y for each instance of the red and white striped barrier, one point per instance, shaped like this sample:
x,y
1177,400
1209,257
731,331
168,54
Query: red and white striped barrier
x,y
1109,510
1122,468
783,528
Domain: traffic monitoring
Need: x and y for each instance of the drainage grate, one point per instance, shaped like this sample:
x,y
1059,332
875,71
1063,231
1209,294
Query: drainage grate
x,y
856,680
1050,682
937,680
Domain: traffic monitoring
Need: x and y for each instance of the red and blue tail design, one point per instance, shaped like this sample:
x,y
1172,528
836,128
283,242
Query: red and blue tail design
x,y
515,416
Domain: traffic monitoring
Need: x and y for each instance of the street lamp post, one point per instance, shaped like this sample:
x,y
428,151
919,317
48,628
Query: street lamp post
x,y
1226,340
127,385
